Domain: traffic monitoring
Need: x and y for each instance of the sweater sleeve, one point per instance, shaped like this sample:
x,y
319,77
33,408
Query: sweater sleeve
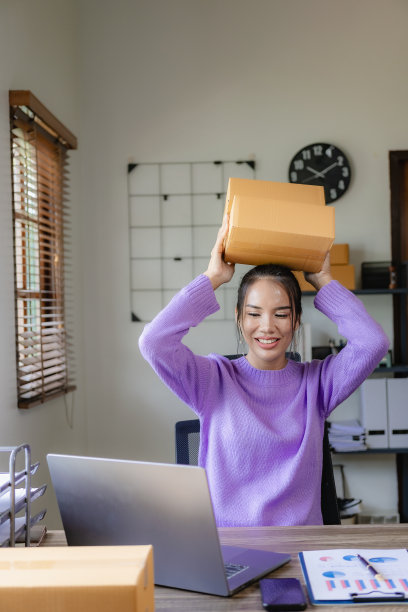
x,y
160,343
366,345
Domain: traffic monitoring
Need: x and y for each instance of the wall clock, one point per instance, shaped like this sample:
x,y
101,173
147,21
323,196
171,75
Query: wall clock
x,y
322,164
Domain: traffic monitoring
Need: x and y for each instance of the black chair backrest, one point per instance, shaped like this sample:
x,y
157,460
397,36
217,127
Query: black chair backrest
x,y
188,442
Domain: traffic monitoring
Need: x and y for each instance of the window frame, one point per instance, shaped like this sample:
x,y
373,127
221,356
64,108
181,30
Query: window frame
x,y
39,146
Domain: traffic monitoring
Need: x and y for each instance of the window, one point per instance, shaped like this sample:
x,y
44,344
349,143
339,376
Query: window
x,y
39,156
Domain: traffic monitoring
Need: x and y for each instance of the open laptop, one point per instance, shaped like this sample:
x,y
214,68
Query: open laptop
x,y
116,502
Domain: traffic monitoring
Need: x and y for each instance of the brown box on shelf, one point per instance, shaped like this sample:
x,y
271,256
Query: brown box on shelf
x,y
344,274
80,578
339,254
280,223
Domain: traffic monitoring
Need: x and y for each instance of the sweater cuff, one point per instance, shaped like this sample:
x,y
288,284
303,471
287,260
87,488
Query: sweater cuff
x,y
333,298
202,296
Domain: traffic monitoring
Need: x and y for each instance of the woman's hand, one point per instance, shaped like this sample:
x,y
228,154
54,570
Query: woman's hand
x,y
319,279
219,271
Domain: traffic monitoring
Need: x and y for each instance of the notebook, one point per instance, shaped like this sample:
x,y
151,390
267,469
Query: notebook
x,y
114,501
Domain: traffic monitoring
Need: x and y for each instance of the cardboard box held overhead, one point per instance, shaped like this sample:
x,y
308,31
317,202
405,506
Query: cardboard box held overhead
x,y
283,223
77,579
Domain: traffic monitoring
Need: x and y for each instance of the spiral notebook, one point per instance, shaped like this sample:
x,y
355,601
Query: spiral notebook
x,y
356,576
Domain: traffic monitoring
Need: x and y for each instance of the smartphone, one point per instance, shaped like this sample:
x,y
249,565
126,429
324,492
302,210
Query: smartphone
x,y
282,594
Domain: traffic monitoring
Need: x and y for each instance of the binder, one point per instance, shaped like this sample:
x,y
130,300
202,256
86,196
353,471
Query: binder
x,y
397,394
347,576
373,412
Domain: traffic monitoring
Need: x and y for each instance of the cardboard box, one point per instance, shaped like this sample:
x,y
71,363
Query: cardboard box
x,y
77,579
270,190
339,254
344,274
281,223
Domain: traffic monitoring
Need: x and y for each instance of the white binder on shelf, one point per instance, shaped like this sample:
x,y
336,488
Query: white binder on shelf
x,y
373,412
397,393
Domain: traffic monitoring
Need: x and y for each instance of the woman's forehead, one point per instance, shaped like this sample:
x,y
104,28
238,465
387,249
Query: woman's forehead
x,y
267,289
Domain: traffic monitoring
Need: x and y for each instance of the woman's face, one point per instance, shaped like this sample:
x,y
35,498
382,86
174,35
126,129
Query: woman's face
x,y
266,324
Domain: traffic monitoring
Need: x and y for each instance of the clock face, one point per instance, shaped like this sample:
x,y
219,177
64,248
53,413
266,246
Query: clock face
x,y
322,164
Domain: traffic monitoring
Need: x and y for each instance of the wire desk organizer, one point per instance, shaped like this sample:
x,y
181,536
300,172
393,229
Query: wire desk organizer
x,y
16,497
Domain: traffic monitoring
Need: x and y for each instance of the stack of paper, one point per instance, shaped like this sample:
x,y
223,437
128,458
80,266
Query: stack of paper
x,y
347,436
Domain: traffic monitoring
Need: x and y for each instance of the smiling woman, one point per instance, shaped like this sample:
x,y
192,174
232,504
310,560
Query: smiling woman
x,y
262,416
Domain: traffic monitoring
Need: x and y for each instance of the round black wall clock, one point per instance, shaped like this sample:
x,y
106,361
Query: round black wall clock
x,y
322,164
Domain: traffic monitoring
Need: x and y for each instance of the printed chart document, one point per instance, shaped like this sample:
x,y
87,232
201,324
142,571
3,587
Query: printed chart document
x,y
356,576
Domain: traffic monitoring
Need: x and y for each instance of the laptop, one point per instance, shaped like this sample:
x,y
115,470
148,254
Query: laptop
x,y
117,502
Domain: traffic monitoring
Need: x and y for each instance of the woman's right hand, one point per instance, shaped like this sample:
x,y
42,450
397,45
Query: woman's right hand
x,y
219,271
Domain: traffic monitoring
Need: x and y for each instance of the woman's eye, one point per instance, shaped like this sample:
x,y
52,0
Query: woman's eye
x,y
253,314
282,315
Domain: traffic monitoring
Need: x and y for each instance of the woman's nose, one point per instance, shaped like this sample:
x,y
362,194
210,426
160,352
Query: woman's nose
x,y
268,323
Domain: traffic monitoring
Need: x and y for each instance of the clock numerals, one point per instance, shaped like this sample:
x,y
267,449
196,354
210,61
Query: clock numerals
x,y
322,164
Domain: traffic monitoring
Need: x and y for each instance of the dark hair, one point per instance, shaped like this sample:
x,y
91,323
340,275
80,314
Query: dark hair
x,y
279,274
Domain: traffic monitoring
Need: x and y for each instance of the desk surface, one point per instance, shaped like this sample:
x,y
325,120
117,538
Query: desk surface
x,y
280,539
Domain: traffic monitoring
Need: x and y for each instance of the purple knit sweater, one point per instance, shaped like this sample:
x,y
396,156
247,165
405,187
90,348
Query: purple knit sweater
x,y
261,430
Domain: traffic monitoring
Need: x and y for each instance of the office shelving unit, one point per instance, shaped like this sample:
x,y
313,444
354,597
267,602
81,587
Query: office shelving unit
x,y
16,497
399,369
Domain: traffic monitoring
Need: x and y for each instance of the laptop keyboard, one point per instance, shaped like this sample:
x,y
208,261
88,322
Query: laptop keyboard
x,y
232,569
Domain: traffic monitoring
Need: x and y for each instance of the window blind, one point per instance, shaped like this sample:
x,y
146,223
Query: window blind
x,y
41,224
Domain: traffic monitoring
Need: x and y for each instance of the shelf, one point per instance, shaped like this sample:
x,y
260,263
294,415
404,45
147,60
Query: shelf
x,y
373,451
398,291
395,368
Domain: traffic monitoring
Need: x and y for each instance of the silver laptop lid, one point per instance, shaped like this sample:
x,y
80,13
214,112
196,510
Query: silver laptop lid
x,y
110,502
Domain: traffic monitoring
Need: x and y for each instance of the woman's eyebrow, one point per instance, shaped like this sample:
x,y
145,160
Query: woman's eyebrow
x,y
260,307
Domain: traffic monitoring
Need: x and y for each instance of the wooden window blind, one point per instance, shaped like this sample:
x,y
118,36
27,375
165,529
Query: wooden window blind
x,y
41,225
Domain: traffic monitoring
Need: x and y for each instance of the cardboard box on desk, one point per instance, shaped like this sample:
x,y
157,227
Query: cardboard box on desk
x,y
283,223
78,578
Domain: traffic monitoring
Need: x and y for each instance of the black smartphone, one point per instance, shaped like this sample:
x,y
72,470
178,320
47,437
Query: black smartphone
x,y
282,594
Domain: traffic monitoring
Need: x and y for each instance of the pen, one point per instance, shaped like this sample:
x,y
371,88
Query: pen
x,y
371,568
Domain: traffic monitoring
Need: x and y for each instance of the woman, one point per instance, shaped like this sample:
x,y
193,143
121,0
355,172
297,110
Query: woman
x,y
262,416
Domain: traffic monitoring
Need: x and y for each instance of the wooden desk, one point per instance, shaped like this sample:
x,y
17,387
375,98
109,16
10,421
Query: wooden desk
x,y
281,539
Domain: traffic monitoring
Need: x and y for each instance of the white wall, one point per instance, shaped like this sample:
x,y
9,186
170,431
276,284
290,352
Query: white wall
x,y
38,52
175,80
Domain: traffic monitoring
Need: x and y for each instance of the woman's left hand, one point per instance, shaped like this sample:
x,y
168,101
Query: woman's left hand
x,y
319,279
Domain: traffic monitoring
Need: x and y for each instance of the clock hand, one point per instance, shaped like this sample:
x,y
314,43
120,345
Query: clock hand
x,y
329,168
319,174
311,178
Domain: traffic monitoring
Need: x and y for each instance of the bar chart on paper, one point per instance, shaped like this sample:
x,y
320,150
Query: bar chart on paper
x,y
342,575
